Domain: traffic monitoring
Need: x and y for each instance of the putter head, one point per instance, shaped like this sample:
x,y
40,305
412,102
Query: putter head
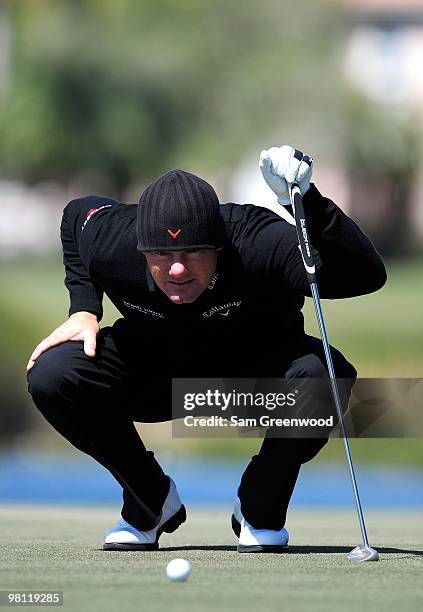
x,y
363,553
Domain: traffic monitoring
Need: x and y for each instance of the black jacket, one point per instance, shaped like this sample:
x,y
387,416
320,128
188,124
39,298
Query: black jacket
x,y
258,290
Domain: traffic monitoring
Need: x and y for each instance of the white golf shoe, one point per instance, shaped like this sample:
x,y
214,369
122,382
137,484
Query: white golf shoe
x,y
124,536
253,540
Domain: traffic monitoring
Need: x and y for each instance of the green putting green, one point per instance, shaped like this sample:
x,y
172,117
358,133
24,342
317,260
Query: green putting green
x,y
60,548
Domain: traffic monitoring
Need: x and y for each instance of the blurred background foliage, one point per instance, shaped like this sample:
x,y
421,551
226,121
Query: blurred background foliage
x,y
125,89
110,93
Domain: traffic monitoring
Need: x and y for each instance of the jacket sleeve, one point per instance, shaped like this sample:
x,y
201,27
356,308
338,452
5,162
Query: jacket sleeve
x,y
349,264
85,294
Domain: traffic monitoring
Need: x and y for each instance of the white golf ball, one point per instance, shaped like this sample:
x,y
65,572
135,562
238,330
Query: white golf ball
x,y
178,569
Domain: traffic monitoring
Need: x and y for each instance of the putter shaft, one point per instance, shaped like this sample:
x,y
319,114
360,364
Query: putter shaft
x,y
335,391
308,260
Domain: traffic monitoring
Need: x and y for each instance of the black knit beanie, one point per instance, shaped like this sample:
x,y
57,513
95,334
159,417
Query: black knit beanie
x,y
179,211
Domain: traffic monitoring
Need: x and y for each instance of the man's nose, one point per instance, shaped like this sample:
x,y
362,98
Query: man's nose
x,y
177,269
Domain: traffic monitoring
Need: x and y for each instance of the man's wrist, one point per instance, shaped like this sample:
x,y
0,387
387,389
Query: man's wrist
x,y
83,313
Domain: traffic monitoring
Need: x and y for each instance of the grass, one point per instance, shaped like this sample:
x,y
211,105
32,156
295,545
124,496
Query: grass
x,y
60,548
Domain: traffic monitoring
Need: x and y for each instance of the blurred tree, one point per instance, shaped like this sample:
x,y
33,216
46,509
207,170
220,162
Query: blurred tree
x,y
126,89
382,146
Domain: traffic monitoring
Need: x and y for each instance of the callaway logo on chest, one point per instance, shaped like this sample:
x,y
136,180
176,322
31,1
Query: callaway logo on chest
x,y
222,310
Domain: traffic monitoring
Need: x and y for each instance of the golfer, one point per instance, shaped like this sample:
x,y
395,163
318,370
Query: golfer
x,y
205,290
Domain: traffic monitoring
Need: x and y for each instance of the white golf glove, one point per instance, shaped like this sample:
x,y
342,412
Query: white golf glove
x,y
283,165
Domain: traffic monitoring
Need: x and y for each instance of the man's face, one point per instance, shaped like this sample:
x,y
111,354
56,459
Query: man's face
x,y
182,275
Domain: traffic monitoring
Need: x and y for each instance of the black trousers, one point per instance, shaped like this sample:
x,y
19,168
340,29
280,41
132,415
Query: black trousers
x,y
93,403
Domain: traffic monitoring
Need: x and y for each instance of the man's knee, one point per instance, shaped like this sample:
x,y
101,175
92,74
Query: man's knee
x,y
49,374
307,366
314,366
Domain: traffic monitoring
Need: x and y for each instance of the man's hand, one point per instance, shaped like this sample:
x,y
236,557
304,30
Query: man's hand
x,y
80,326
283,165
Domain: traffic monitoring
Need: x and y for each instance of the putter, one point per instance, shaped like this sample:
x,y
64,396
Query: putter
x,y
363,552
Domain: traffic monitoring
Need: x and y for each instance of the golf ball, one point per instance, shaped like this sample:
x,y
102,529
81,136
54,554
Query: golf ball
x,y
178,569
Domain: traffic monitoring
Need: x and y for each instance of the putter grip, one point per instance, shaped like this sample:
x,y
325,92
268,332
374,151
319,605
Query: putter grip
x,y
302,232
